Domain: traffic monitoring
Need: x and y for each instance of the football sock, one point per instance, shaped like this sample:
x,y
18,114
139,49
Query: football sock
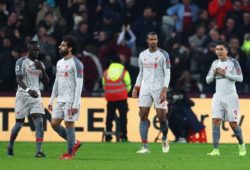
x,y
216,136
238,134
70,139
164,129
14,132
61,131
38,122
144,132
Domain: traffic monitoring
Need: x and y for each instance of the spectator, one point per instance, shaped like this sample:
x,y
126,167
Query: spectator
x,y
7,66
143,26
82,35
245,26
127,38
236,12
185,15
230,29
246,5
219,10
197,40
235,52
187,83
3,14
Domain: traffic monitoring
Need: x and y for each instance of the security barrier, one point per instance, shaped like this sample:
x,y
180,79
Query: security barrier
x,y
92,121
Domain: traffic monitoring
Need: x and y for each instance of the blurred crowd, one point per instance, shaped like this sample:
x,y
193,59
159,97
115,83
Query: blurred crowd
x,y
104,29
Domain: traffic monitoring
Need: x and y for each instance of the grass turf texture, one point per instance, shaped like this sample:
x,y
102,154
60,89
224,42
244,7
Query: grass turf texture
x,y
122,156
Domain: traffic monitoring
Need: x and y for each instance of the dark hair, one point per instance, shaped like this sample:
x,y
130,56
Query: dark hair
x,y
71,43
151,33
223,43
116,59
31,45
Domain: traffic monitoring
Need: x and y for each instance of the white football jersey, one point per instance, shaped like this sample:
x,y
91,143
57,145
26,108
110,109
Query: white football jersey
x,y
152,66
225,85
67,73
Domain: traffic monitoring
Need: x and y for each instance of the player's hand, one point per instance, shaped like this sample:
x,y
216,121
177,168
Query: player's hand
x,y
73,111
135,92
33,93
38,65
220,71
163,95
50,107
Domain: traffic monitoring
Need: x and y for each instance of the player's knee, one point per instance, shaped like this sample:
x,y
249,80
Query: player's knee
x,y
143,116
216,121
54,125
233,125
162,118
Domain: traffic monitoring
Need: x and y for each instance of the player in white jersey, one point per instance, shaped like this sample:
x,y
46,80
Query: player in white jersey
x,y
225,103
152,83
67,88
29,71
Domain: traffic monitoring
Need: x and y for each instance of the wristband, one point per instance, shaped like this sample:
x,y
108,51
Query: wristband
x,y
27,89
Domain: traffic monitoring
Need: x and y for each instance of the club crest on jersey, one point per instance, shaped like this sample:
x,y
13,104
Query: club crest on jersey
x,y
66,74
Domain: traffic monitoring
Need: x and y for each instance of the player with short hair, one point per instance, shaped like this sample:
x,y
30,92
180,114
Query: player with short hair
x,y
151,84
225,103
68,89
29,71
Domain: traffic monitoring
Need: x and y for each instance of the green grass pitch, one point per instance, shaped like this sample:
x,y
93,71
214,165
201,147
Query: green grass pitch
x,y
122,156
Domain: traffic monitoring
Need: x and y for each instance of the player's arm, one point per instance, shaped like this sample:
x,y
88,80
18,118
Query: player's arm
x,y
53,94
45,78
166,68
79,84
211,74
236,73
19,79
139,78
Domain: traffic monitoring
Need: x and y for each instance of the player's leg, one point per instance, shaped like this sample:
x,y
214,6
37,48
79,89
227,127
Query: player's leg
x,y
161,111
144,124
233,114
21,111
216,132
57,117
145,102
37,113
238,133
58,128
123,110
111,107
217,116
216,137
70,130
70,119
162,115
14,133
38,122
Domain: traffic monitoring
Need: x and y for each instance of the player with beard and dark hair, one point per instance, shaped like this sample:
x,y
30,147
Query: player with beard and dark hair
x,y
67,88
29,71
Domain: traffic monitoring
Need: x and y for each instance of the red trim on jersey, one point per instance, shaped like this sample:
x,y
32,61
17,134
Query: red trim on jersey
x,y
39,139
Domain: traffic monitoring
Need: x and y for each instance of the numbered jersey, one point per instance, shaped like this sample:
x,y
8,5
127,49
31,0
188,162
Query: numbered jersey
x,y
31,75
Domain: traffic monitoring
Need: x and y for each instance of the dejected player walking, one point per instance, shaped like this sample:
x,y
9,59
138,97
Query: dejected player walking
x,y
225,103
152,83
